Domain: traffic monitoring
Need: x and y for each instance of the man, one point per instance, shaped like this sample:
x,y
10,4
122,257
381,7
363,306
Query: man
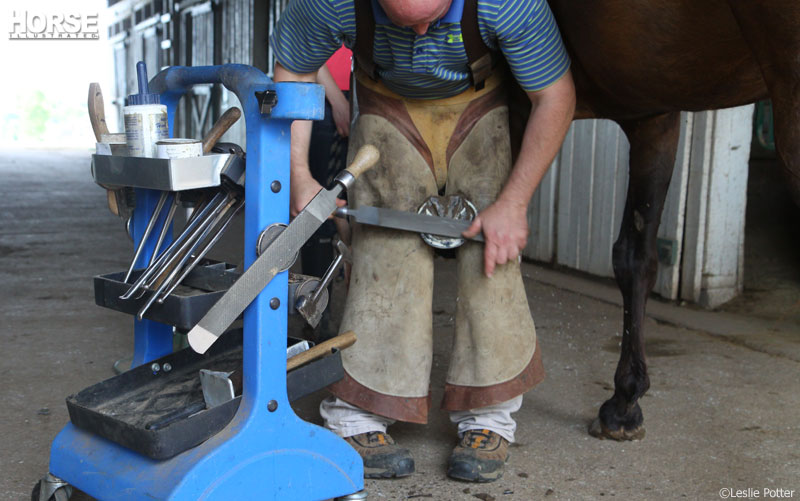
x,y
435,133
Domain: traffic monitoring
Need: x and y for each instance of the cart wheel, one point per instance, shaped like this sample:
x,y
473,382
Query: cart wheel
x,y
61,494
356,496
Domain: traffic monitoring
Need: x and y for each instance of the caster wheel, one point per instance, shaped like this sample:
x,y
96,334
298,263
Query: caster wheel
x,y
61,494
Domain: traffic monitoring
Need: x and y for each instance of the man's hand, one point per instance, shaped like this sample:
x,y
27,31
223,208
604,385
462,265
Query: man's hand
x,y
304,188
504,223
505,231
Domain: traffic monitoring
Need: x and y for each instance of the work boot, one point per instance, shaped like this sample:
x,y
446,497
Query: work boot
x,y
479,457
382,457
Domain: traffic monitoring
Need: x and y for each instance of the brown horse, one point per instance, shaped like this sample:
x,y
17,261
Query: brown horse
x,y
641,62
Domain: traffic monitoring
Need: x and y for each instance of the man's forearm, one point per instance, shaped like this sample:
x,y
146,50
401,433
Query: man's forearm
x,y
333,93
300,174
551,114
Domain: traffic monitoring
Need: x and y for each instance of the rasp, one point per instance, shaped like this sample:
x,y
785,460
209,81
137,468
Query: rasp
x,y
277,257
409,221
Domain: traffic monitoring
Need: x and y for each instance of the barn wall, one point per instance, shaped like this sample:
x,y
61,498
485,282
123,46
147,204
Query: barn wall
x,y
576,212
189,33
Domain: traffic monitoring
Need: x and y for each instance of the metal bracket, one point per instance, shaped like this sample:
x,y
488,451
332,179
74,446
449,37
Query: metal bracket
x,y
310,304
267,99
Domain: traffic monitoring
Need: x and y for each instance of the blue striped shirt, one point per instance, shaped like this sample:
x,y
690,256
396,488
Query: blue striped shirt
x,y
433,65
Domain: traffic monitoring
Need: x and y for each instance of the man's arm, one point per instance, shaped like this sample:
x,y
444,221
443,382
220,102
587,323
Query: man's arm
x,y
339,104
304,186
504,223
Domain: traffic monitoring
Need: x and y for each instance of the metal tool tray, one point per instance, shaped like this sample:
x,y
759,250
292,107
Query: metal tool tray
x,y
121,408
164,174
183,308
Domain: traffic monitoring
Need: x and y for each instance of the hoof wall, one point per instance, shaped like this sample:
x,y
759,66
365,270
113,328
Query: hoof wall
x,y
597,430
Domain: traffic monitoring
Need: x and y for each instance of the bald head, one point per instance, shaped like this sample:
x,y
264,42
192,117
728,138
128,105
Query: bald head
x,y
415,14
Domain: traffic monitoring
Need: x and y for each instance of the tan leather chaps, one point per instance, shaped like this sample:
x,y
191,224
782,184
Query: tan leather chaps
x,y
459,145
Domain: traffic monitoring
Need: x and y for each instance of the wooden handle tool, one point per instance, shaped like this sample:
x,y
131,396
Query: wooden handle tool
x,y
341,342
366,157
230,117
97,114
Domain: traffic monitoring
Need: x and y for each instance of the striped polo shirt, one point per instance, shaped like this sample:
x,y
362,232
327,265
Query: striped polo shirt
x,y
433,65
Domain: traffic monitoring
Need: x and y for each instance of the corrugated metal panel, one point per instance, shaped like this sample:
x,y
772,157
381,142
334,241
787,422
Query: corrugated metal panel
x,y
592,181
541,218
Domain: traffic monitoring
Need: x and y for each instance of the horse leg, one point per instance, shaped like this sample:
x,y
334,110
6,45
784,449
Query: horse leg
x,y
654,141
772,30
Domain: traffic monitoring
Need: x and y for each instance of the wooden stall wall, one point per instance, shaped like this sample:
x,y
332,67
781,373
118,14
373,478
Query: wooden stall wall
x,y
189,33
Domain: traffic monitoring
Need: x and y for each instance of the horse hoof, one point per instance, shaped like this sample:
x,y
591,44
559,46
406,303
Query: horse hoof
x,y
597,430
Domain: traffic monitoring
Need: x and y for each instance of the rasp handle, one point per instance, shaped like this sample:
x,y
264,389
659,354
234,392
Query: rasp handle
x,y
366,157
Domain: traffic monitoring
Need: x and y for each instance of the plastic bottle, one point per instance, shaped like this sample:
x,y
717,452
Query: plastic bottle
x,y
145,118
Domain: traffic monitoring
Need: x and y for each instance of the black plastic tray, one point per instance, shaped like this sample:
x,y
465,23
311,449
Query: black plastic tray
x,y
145,411
189,302
183,308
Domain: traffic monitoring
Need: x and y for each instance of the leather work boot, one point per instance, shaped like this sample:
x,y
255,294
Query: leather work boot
x,y
382,457
479,457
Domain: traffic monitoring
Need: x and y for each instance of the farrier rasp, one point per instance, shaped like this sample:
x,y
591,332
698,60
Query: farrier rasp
x,y
409,221
277,257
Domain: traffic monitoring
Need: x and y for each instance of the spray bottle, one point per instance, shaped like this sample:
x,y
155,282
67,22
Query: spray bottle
x,y
145,118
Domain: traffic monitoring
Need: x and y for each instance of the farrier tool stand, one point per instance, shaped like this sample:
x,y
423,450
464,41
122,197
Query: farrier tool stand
x,y
262,449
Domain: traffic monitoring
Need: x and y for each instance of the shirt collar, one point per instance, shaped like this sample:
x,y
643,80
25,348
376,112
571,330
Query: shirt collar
x,y
453,14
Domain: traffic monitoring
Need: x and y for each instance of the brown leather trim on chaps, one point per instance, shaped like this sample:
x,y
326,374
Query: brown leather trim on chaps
x,y
476,110
462,398
373,103
409,409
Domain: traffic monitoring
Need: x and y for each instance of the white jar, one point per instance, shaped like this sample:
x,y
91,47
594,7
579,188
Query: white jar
x,y
179,148
145,124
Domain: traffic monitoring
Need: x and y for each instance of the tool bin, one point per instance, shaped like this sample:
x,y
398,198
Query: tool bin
x,y
158,409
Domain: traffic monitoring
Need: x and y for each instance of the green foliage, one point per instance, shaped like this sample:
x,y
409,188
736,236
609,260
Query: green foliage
x,y
37,113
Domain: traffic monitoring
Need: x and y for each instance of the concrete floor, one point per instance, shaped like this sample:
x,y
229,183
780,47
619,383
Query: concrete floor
x,y
722,411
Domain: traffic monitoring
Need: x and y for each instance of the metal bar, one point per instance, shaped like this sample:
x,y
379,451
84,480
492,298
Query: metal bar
x,y
202,253
206,230
327,278
171,273
147,231
167,222
168,251
190,242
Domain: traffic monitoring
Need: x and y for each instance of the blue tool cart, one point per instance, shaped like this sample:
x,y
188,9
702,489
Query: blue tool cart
x,y
265,451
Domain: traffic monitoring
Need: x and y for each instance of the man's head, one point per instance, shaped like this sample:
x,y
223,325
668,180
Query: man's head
x,y
415,14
